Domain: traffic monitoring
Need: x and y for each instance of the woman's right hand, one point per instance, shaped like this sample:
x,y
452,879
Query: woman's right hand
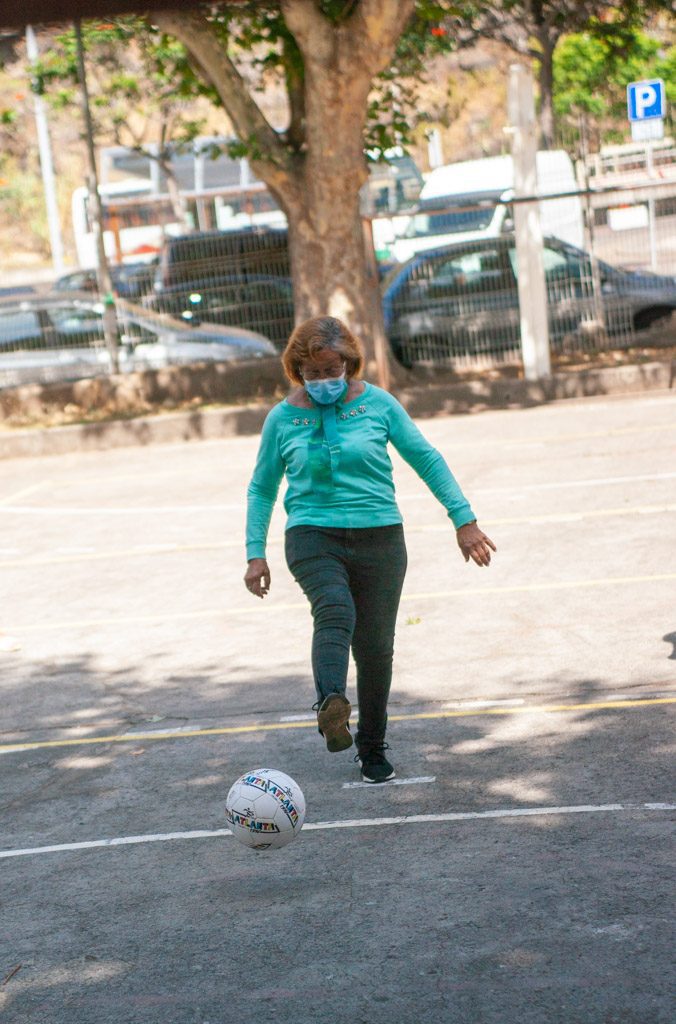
x,y
257,577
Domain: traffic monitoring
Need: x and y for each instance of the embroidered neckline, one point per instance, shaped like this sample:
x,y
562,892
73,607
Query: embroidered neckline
x,y
306,421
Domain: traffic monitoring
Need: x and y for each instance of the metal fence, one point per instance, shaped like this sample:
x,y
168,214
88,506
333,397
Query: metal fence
x,y
211,296
235,278
609,260
449,284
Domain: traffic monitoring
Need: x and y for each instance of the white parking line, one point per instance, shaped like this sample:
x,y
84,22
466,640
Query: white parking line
x,y
41,510
415,781
124,510
601,481
4,502
412,819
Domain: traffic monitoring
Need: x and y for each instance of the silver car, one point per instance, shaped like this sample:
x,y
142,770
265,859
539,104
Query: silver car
x,y
45,340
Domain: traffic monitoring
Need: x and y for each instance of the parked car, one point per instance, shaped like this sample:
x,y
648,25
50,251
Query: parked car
x,y
151,344
15,292
49,323
258,302
475,196
202,255
58,341
462,300
232,277
130,280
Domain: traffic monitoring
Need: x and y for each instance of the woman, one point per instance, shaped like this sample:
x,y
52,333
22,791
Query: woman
x,y
344,536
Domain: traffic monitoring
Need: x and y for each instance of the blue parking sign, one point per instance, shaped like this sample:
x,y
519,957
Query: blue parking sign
x,y
645,99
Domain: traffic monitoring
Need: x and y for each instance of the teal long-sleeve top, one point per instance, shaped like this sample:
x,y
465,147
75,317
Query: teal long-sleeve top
x,y
361,493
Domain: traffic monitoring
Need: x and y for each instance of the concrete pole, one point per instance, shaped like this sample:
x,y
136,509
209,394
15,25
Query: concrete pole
x,y
46,164
529,245
434,151
380,343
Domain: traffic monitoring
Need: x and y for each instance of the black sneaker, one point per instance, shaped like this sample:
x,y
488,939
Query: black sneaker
x,y
333,717
374,765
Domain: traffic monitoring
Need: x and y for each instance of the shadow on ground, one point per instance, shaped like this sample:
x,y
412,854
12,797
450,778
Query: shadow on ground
x,y
519,921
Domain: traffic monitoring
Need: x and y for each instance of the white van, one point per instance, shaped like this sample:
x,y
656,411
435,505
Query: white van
x,y
479,185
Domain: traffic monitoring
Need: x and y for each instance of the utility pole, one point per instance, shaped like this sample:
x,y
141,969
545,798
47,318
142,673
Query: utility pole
x,y
104,281
527,227
46,164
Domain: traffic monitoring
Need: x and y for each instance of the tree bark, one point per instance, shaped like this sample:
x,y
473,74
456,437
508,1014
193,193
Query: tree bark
x,y
546,85
178,201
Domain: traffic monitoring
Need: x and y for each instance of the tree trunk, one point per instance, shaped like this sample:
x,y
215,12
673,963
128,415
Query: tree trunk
x,y
546,84
317,185
331,270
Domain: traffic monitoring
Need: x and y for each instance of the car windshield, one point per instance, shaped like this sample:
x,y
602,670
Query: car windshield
x,y
462,215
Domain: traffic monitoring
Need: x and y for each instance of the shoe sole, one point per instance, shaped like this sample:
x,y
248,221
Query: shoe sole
x,y
377,782
332,719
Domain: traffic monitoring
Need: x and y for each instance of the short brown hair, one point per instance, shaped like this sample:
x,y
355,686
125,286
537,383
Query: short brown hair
x,y
315,335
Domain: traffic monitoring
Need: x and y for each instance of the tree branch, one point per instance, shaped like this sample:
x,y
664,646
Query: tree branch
x,y
368,34
376,25
208,54
310,28
295,89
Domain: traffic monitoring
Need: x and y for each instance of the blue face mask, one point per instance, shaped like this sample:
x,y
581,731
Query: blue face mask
x,y
326,391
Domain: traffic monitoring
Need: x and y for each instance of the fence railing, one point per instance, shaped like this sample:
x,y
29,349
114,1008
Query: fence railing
x,y
451,299
609,262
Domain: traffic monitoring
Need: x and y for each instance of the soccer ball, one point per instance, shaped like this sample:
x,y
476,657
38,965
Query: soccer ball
x,y
265,809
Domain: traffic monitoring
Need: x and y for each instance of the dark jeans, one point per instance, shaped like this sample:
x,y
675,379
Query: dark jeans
x,y
353,581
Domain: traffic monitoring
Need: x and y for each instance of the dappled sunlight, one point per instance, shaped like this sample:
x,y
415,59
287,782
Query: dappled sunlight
x,y
83,761
82,972
85,713
519,957
525,727
201,780
536,787
340,305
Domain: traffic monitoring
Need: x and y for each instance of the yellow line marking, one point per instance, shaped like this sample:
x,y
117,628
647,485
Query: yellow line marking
x,y
22,494
226,613
231,730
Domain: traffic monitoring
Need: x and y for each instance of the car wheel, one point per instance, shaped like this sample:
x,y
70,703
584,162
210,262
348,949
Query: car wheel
x,y
402,353
658,316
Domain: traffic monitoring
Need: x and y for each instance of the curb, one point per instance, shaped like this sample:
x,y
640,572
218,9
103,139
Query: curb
x,y
420,401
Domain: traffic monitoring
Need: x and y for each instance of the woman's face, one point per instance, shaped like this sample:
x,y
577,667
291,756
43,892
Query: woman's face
x,y
325,363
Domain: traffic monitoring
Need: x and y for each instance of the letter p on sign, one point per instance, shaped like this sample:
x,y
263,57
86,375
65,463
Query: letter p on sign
x,y
645,99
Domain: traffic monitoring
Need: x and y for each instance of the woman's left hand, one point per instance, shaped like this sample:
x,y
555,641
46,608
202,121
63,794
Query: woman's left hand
x,y
474,544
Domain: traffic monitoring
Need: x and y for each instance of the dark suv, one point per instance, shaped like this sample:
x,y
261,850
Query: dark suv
x,y
239,278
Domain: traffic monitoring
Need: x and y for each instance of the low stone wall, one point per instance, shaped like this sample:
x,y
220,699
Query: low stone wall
x,y
264,382
136,394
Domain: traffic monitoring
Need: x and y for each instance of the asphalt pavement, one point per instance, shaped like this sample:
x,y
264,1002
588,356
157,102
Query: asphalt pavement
x,y
518,872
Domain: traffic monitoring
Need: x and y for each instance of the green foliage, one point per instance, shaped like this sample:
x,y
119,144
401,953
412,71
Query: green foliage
x,y
258,34
665,68
591,72
22,208
141,82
